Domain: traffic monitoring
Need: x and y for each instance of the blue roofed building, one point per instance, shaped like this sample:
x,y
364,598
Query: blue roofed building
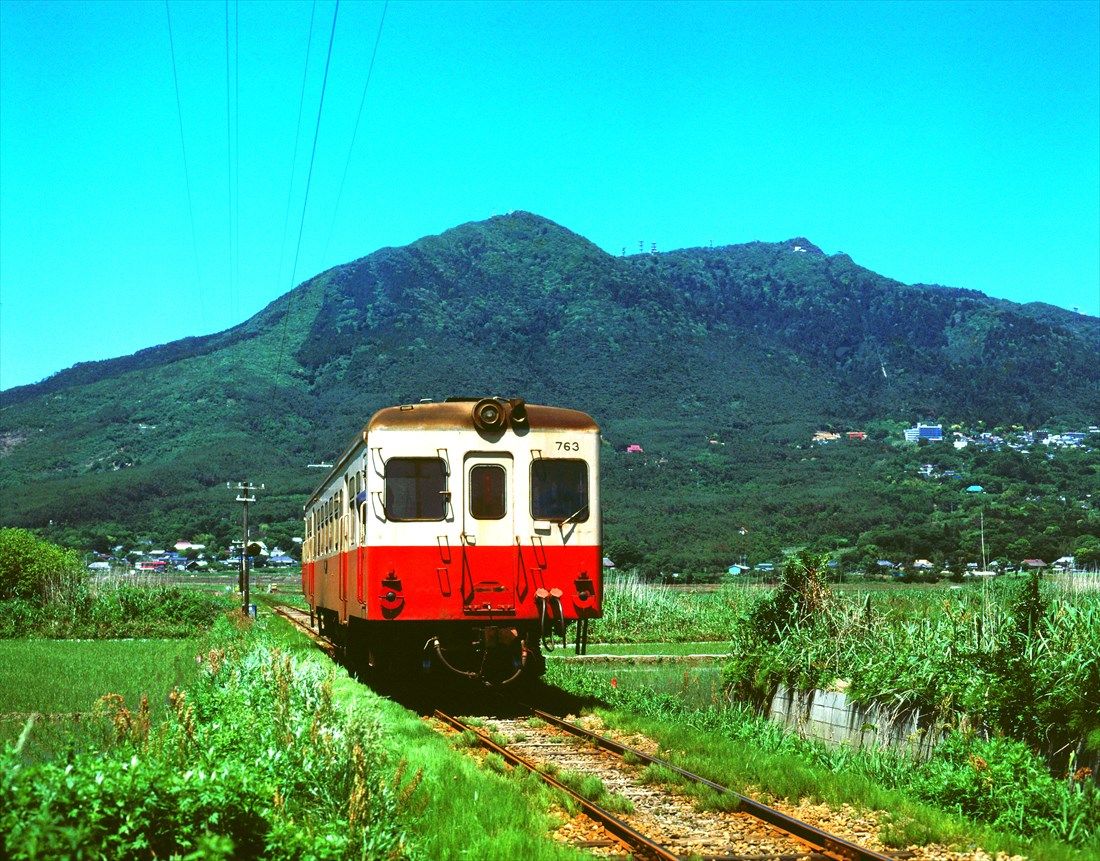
x,y
932,433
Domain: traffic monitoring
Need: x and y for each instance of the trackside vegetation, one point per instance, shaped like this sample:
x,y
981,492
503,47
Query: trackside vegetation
x,y
268,751
1009,670
973,792
46,592
253,760
1017,657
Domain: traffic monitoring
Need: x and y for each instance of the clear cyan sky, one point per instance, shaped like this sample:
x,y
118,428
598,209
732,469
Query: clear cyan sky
x,y
952,143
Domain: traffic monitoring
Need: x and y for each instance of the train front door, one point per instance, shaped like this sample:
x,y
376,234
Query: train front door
x,y
488,536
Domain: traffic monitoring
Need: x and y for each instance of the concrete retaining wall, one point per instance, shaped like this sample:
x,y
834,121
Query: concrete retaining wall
x,y
832,717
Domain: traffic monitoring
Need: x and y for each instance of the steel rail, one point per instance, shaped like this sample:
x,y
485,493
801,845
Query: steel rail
x,y
611,822
815,838
289,613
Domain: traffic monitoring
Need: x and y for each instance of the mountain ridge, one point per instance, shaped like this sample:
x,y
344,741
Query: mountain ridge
x,y
84,372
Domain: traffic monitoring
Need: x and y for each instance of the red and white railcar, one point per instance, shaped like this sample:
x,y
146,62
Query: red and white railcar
x,y
460,534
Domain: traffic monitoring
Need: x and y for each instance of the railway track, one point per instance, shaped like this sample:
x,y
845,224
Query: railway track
x,y
664,822
301,620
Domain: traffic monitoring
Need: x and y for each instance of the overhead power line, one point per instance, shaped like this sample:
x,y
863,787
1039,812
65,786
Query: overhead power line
x,y
305,203
229,166
355,131
313,151
186,168
237,148
297,138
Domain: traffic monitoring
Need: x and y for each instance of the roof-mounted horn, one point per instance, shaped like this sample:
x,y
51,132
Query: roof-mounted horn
x,y
518,413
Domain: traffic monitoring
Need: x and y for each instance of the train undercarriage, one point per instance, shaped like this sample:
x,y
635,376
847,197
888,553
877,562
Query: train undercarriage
x,y
490,654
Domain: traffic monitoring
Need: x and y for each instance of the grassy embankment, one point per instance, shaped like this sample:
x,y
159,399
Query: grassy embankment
x,y
1009,664
266,750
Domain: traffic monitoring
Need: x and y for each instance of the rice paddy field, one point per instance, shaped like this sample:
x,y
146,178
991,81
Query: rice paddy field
x,y
60,681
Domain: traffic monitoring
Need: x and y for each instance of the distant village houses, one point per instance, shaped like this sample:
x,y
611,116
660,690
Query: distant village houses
x,y
824,437
1016,439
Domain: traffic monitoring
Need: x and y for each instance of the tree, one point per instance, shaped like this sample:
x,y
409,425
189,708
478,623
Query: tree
x,y
1087,551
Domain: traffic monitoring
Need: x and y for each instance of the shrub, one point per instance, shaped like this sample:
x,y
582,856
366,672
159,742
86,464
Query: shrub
x,y
254,760
36,570
1001,781
802,597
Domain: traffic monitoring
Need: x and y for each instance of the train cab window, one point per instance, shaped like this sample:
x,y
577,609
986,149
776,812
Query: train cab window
x,y
487,492
416,488
559,490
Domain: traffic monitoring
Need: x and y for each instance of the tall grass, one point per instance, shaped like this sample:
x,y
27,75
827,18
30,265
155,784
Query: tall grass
x,y
45,592
635,611
109,610
1015,658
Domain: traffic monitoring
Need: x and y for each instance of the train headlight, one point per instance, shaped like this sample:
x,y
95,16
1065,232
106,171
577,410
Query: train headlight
x,y
489,415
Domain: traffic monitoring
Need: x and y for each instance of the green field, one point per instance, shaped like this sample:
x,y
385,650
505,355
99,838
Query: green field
x,y
60,681
712,647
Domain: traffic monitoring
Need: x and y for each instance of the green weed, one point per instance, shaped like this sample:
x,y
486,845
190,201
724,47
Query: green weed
x,y
495,762
252,748
591,788
658,775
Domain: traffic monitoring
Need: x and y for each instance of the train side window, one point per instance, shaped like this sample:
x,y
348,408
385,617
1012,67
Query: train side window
x,y
487,494
416,488
559,490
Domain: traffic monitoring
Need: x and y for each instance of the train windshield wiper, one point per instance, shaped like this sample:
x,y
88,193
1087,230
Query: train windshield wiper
x,y
576,513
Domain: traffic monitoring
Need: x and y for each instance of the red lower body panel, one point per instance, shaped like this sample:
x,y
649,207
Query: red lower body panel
x,y
484,584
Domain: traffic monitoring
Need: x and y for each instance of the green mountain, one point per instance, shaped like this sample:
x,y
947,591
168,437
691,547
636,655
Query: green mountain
x,y
753,346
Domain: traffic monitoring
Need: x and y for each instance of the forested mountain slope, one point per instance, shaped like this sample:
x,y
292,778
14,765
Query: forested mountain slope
x,y
751,345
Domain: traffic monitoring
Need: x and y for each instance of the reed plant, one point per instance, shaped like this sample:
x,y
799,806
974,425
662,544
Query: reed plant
x,y
635,611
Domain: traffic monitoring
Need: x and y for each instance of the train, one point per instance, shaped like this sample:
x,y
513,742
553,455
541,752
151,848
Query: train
x,y
462,535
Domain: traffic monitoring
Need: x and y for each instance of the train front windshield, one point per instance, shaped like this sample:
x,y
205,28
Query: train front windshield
x,y
559,490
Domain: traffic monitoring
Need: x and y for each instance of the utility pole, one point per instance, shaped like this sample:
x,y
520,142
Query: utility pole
x,y
245,489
